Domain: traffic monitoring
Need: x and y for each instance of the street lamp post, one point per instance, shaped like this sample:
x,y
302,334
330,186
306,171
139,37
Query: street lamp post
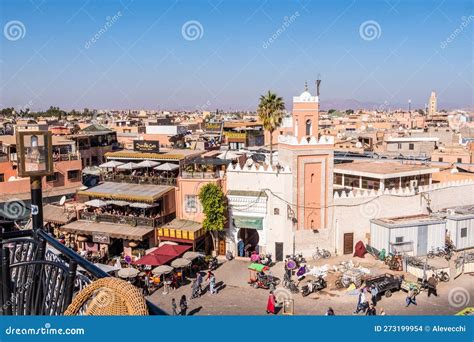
x,y
35,160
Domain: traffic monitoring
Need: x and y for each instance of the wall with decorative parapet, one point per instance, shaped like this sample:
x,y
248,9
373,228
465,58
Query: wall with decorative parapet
x,y
353,210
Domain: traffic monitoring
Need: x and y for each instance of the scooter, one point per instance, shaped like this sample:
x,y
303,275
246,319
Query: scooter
x,y
266,259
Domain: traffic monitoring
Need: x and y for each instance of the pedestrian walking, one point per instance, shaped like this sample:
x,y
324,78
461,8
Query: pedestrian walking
x,y
271,303
374,291
371,311
212,285
174,307
411,297
330,312
183,305
432,283
362,303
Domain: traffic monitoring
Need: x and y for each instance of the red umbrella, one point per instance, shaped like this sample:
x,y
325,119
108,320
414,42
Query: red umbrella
x,y
171,250
153,260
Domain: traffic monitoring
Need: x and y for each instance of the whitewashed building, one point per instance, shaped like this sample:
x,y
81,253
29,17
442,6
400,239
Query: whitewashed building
x,y
257,210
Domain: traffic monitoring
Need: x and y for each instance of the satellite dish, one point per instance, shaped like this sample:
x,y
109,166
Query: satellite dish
x,y
339,135
454,170
62,200
358,144
12,178
249,162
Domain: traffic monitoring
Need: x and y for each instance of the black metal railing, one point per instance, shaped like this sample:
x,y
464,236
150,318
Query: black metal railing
x,y
40,276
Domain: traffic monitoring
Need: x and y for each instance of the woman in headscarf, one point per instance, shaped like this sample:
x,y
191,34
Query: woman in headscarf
x,y
271,303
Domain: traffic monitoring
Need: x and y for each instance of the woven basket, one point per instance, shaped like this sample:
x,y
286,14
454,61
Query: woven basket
x,y
108,297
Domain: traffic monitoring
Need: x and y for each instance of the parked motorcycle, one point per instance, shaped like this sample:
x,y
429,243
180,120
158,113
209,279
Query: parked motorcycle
x,y
266,259
229,256
313,286
289,284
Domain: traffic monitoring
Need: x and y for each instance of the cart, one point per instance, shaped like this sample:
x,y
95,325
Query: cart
x,y
385,283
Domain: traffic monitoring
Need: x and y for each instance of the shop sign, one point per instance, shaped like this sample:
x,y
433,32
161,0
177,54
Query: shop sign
x,y
101,238
152,146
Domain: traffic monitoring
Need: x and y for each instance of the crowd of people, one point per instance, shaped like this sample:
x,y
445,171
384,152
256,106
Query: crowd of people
x,y
122,211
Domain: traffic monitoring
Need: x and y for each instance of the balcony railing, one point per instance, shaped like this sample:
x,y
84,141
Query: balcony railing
x,y
200,175
66,157
38,281
139,179
129,220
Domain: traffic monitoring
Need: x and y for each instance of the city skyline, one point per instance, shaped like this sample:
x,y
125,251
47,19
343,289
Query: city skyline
x,y
194,55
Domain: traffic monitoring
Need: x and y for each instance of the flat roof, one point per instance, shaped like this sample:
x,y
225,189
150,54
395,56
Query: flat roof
x,y
461,212
407,221
192,226
114,230
383,170
57,140
127,191
55,214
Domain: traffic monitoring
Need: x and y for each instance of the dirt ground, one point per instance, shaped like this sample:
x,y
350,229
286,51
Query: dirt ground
x,y
236,297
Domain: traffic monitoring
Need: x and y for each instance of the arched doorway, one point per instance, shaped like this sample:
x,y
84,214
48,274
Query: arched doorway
x,y
248,241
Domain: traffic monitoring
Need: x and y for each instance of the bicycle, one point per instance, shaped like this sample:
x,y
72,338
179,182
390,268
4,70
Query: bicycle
x,y
321,254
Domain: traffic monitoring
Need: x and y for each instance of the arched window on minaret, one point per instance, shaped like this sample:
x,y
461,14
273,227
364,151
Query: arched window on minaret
x,y
296,127
309,127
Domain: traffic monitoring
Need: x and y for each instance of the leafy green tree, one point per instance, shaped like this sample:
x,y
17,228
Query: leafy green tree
x,y
270,112
214,208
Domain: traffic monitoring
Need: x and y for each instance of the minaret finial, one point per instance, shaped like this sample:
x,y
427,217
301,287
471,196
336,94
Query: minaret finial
x,y
305,86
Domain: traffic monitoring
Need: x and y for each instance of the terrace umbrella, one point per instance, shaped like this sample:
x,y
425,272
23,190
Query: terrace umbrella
x,y
129,166
129,272
192,255
180,263
118,203
163,269
148,163
140,205
97,203
153,260
166,167
111,164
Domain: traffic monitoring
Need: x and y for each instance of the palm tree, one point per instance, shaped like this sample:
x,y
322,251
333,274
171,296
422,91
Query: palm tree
x,y
270,112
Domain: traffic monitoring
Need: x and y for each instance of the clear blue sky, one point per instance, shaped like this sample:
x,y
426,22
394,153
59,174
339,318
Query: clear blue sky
x,y
143,61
